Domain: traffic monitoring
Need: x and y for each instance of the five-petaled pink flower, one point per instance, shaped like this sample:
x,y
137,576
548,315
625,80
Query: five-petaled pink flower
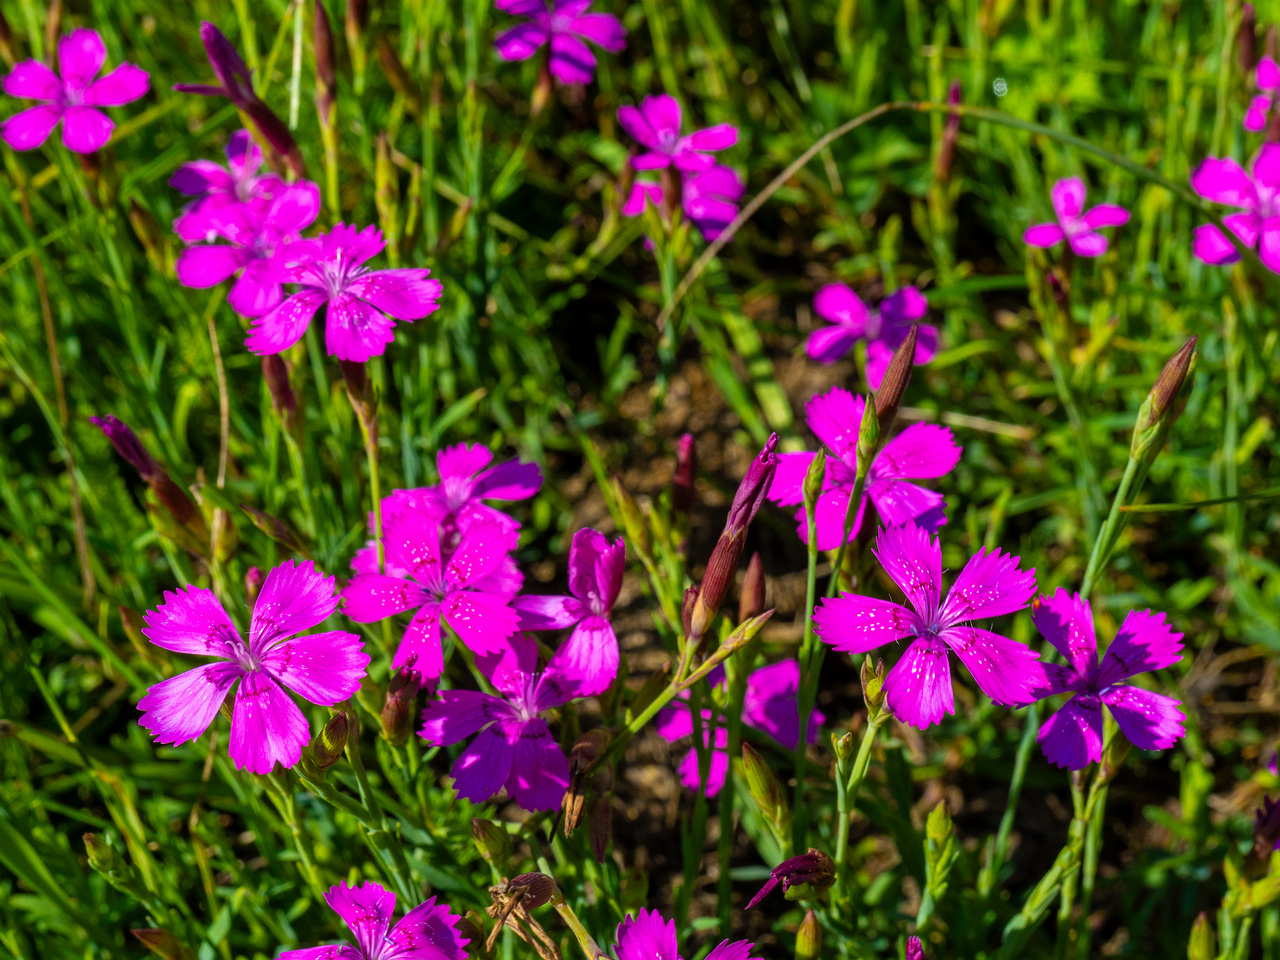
x,y
513,746
648,937
590,656
216,187
884,330
564,24
918,688
361,303
427,932
1079,227
266,725
922,450
1258,224
1072,737
74,99
258,247
709,198
1268,80
456,586
656,125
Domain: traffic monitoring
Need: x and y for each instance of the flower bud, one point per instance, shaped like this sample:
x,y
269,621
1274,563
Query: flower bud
x,y
253,580
276,529
842,745
1164,404
723,564
169,494
275,371
470,928
751,596
492,840
328,747
915,949
809,938
947,149
682,480
326,75
1200,946
937,826
537,889
102,856
873,692
896,377
398,707
766,790
1266,828
127,445
804,877
1247,39
163,943
1114,755
686,608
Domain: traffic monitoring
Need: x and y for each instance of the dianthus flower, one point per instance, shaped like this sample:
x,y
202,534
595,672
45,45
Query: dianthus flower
x,y
918,688
455,586
884,330
1075,224
648,937
1267,76
564,24
74,98
1072,737
656,125
770,706
427,932
708,198
590,656
1258,224
216,187
258,242
361,303
266,725
513,746
922,450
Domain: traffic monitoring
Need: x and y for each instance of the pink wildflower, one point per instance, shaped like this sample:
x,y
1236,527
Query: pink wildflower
x,y
1258,224
564,24
427,932
361,303
656,125
453,585
884,330
770,706
922,450
648,937
590,656
258,247
216,187
1072,737
918,688
1267,77
1075,224
513,746
709,198
915,949
74,98
266,725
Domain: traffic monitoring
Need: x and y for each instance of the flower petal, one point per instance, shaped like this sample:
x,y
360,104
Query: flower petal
x,y
990,585
829,344
81,54
901,308
284,326
922,450
737,950
722,136
835,417
770,704
540,612
510,480
521,41
208,265
691,773
1209,245
1067,196
191,620
1255,117
539,769
266,726
1043,235
1144,642
1266,167
1224,181
1066,621
422,640
403,294
1151,721
1269,244
370,597
855,624
482,621
257,291
918,688
595,569
1002,668
641,193
788,480
571,60
647,937
480,550
602,29
85,129
181,708
124,84
294,597
366,910
899,502
482,769
354,330
636,123
588,660
427,932
839,304
1105,215
913,559
32,80
1087,244
30,128
324,668
456,715
1072,737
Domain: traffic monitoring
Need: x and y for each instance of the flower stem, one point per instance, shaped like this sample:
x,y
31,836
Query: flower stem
x,y
1110,532
799,824
738,671
278,787
988,878
848,782
590,949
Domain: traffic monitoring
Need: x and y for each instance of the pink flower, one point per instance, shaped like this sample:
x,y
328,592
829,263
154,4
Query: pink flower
x,y
590,656
74,99
1075,224
915,949
770,706
648,937
467,481
708,198
656,124
465,586
883,330
361,303
266,725
427,932
564,24
258,244
922,450
1072,737
918,688
513,746
1268,80
216,187
1258,225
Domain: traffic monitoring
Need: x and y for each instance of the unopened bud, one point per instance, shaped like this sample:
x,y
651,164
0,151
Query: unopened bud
x,y
804,877
634,524
328,747
809,938
842,745
1247,39
947,149
873,692
169,494
894,384
1200,946
537,889
357,18
253,580
128,445
686,608
326,75
765,789
492,840
163,943
398,707
1160,401
471,929
102,856
275,371
915,949
1266,828
682,479
751,597
937,825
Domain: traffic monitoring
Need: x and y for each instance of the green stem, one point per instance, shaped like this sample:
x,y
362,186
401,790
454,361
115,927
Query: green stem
x,y
590,949
280,791
847,787
988,878
798,825
1110,532
1092,849
737,671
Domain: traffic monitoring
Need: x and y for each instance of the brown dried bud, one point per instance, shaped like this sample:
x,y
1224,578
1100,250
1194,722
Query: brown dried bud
x,y
682,480
751,597
589,748
398,708
535,889
276,372
686,609
163,943
253,579
1247,39
896,377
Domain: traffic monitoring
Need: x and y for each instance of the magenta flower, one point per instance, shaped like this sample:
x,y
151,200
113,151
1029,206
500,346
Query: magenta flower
x,y
74,99
708,198
258,247
266,725
656,125
1268,80
915,949
450,585
590,656
918,688
466,481
216,187
513,746
1258,224
648,937
1075,224
565,24
1072,737
427,932
361,303
884,330
922,450
770,706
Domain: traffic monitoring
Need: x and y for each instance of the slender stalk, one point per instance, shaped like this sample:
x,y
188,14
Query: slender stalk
x,y
1110,531
1092,849
737,671
799,824
590,948
283,796
987,879
847,787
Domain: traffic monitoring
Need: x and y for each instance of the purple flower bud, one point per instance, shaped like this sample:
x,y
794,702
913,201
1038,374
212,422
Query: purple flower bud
x,y
751,597
947,150
127,445
682,480
1247,39
814,868
754,486
253,580
915,949
1266,828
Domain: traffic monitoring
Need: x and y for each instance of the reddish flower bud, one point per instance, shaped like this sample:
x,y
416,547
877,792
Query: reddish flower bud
x,y
751,598
813,869
915,949
253,580
682,480
535,888
947,150
276,372
686,609
896,377
1247,39
127,445
402,695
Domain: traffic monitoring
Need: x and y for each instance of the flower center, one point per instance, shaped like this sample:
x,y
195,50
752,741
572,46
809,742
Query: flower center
x,y
336,273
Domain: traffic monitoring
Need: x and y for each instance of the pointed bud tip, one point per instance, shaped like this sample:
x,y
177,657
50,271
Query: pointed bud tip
x,y
896,377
